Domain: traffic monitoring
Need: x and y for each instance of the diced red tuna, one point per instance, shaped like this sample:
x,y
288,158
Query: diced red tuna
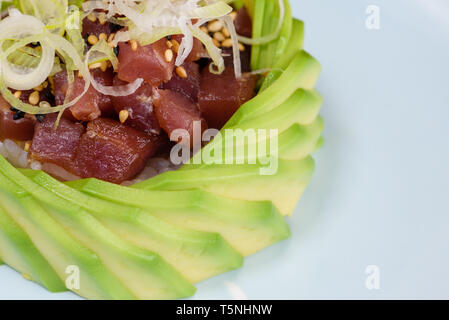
x,y
21,129
147,62
94,28
222,95
105,102
245,58
86,109
243,23
198,50
175,111
56,146
140,108
112,151
92,104
190,86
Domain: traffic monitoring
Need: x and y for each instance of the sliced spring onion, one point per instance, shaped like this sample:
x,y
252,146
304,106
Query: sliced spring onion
x,y
68,52
101,51
31,29
187,41
29,58
212,11
214,52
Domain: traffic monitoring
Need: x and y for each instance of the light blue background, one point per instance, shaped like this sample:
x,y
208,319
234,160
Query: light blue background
x,y
381,189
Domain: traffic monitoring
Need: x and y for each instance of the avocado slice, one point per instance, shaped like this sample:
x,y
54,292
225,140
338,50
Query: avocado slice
x,y
61,250
247,226
145,273
19,251
301,73
301,108
242,182
298,142
195,254
295,45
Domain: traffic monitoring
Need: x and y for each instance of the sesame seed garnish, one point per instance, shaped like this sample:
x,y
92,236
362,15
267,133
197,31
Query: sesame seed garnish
x,y
104,66
175,45
102,36
111,37
44,104
216,43
241,47
134,45
169,44
215,26
225,32
219,36
39,88
233,15
92,39
181,72
227,43
168,55
123,116
204,29
34,98
92,17
17,94
102,19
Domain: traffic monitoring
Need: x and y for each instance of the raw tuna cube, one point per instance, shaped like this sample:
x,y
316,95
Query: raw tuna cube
x,y
87,108
147,62
56,146
140,108
105,102
21,129
112,151
190,86
243,23
222,95
175,111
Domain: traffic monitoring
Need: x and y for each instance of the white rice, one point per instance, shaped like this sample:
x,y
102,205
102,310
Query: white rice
x,y
19,158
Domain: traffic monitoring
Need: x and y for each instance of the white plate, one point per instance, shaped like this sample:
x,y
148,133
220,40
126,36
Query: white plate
x,y
380,193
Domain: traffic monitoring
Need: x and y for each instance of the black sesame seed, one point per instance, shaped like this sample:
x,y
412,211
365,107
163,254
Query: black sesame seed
x,y
49,97
40,117
169,38
13,109
114,27
19,115
116,51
